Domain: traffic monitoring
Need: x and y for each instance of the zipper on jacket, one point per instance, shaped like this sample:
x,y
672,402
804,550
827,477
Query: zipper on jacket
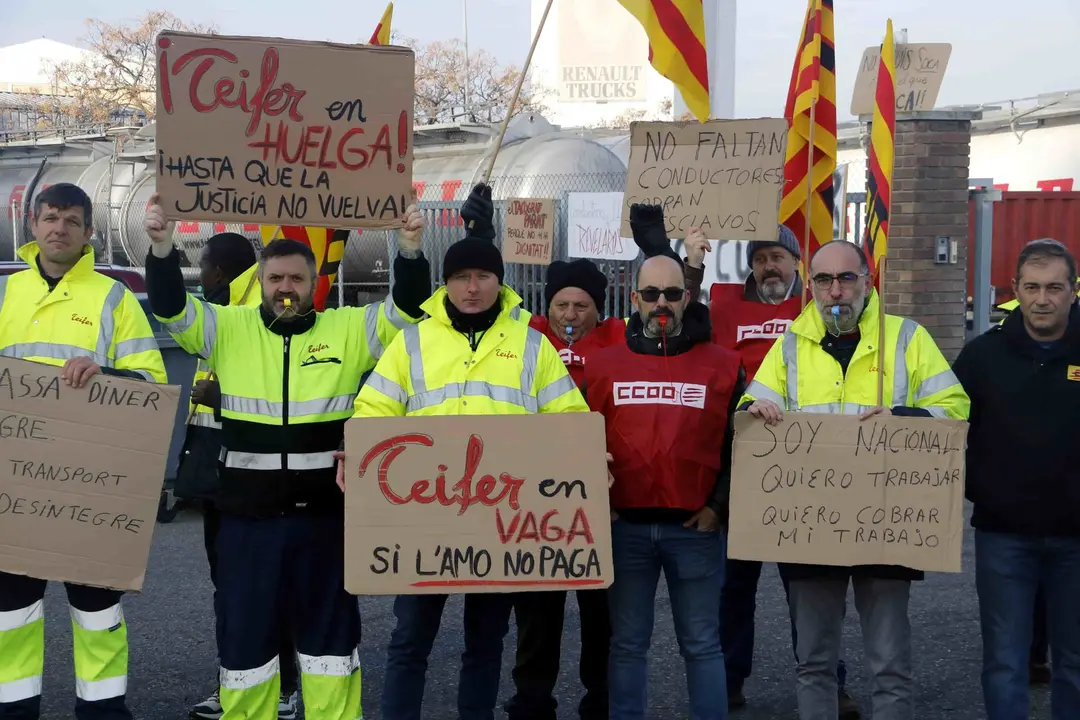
x,y
285,418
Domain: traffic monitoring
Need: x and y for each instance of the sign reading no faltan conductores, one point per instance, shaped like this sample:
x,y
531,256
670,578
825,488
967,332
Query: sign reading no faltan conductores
x,y
484,503
256,130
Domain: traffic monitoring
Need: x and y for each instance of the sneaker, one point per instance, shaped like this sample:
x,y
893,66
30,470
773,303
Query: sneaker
x,y
286,709
208,709
849,709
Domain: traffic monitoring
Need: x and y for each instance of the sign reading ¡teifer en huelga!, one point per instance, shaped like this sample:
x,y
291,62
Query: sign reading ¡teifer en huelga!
x,y
833,490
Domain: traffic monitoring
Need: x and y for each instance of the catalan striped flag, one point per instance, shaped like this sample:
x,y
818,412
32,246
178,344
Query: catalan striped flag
x,y
882,154
811,147
327,245
381,36
676,32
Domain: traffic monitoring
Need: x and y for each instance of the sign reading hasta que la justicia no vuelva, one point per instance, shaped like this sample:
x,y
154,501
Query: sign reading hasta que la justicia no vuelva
x,y
254,130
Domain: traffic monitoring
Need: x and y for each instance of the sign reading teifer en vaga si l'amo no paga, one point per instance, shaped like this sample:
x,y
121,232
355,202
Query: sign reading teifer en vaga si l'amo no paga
x,y
835,490
81,472
481,503
256,130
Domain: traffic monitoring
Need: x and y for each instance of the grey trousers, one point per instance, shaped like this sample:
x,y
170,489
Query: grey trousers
x,y
817,607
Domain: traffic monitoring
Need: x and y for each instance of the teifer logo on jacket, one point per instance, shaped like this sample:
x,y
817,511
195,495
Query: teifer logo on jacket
x,y
1073,373
660,393
765,331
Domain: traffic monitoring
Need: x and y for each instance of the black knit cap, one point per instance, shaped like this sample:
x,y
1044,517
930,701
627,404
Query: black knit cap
x,y
582,274
473,253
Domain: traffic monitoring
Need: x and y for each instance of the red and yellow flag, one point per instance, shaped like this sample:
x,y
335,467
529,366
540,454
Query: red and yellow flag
x,y
811,114
676,32
882,154
381,36
327,245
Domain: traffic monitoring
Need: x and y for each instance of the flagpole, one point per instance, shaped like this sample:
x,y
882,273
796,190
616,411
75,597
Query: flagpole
x,y
881,334
809,196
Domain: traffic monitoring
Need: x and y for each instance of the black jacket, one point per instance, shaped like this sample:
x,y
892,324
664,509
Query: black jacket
x,y
696,329
1023,449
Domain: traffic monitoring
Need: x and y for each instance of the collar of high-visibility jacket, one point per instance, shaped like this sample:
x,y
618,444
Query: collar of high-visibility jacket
x,y
435,308
810,325
30,251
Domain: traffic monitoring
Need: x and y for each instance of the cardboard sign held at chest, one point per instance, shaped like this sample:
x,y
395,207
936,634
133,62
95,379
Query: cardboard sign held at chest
x,y
529,231
724,176
833,490
283,132
478,503
80,474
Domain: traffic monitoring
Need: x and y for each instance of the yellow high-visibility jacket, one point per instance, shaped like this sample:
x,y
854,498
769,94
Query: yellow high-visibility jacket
x,y
432,370
87,314
204,416
799,375
284,397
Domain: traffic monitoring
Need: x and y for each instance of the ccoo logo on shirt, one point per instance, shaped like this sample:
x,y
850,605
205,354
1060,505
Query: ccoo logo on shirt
x,y
765,331
569,357
660,393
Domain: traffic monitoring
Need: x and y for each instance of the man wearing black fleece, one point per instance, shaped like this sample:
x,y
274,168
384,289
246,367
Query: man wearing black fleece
x,y
667,395
1023,378
288,379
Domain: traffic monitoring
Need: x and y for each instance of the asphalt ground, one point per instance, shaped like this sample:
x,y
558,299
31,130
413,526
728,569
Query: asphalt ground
x,y
170,626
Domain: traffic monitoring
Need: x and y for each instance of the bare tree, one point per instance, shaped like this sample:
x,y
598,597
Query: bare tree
x,y
116,78
623,120
447,92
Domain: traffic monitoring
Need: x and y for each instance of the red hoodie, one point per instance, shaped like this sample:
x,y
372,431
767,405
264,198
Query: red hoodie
x,y
750,328
610,332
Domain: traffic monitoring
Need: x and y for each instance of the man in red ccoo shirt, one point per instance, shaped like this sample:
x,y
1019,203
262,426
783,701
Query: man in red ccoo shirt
x,y
667,395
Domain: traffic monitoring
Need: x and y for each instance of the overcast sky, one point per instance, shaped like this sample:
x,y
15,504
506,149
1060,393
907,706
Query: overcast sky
x,y
1002,49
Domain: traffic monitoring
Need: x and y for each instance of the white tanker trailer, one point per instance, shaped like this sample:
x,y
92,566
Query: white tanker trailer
x,y
117,173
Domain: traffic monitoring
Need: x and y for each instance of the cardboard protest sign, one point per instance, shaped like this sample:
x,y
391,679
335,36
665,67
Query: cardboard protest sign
x,y
833,490
725,176
920,70
483,503
529,231
593,223
256,130
80,474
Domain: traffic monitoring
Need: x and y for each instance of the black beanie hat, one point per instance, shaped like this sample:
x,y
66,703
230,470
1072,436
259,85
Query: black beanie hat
x,y
581,274
473,253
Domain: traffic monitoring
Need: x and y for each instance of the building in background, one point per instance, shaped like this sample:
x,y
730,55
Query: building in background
x,y
593,62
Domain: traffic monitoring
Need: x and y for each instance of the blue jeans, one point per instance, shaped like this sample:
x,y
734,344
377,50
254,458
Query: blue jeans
x,y
1008,571
487,620
738,602
693,565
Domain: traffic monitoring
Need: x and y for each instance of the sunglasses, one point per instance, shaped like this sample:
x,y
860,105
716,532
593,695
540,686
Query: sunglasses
x,y
847,280
671,294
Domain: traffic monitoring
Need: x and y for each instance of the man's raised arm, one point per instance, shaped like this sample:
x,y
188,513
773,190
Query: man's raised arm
x,y
192,323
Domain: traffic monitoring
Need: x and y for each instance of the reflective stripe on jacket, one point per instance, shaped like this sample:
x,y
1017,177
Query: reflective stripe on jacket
x,y
797,374
87,314
432,370
204,416
284,398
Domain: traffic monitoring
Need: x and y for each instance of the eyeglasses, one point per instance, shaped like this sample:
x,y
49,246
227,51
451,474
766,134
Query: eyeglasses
x,y
651,294
847,280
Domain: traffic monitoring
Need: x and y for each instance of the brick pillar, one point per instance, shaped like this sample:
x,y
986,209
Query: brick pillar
x,y
930,199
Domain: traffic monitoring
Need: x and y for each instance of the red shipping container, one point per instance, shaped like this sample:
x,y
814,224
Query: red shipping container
x,y
1019,218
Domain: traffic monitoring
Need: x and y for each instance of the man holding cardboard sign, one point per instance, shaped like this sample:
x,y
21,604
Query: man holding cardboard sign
x,y
470,357
288,377
62,312
828,362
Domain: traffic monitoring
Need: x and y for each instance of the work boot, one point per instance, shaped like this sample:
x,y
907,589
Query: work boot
x,y
849,709
1039,673
208,709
